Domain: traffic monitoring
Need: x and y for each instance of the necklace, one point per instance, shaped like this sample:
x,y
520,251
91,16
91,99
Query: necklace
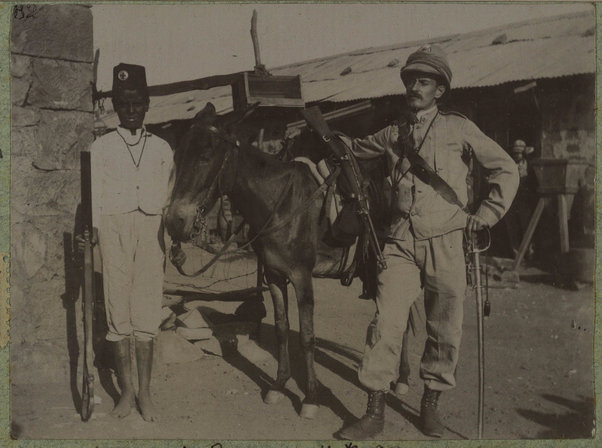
x,y
129,146
142,132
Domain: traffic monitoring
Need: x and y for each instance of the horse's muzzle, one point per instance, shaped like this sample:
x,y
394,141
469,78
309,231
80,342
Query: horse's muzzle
x,y
180,220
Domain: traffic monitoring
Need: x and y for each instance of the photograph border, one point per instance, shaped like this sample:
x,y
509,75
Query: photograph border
x,y
5,247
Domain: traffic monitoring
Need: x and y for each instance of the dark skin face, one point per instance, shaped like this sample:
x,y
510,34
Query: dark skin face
x,y
518,156
422,90
131,107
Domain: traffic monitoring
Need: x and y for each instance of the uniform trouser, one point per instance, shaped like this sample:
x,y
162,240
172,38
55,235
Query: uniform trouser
x,y
438,264
133,264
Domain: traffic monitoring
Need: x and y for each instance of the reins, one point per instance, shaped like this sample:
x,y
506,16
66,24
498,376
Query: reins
x,y
327,182
265,228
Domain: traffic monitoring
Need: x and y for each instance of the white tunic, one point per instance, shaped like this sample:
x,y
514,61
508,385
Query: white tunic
x,y
129,172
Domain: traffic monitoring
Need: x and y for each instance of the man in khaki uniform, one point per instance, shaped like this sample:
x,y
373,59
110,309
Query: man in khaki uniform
x,y
130,176
423,248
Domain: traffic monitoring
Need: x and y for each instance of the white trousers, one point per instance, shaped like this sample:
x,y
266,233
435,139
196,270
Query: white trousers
x,y
133,269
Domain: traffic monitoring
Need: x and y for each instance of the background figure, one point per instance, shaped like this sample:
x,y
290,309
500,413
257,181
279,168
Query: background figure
x,y
517,218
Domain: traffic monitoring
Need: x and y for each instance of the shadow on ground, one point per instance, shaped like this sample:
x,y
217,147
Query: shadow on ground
x,y
577,423
338,358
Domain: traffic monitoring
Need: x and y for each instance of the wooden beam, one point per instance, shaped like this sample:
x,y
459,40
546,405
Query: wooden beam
x,y
255,39
206,83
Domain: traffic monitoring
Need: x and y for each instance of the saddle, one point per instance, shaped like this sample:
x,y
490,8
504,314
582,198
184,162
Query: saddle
x,y
345,253
332,198
343,224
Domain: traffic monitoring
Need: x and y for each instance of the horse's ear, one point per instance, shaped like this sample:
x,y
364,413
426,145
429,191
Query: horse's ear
x,y
207,113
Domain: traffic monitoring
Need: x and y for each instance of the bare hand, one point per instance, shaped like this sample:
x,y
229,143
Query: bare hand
x,y
475,223
81,240
291,133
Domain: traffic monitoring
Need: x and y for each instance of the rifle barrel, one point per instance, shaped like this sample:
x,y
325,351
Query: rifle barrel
x,y
88,290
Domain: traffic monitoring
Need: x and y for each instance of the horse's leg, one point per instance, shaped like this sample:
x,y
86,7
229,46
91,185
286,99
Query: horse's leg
x,y
305,299
278,291
402,386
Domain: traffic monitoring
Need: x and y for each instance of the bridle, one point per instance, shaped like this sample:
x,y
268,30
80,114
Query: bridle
x,y
200,221
269,226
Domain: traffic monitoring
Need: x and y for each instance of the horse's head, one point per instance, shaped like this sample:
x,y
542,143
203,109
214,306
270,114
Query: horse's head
x,y
204,171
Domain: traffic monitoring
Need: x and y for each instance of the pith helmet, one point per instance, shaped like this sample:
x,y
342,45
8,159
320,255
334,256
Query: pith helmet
x,y
519,146
429,59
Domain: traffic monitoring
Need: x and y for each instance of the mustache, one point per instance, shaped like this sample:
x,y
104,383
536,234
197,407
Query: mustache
x,y
414,95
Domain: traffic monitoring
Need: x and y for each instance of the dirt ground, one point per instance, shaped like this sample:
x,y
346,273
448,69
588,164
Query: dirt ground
x,y
538,377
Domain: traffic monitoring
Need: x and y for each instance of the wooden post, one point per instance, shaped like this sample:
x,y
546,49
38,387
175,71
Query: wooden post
x,y
260,139
529,233
563,223
258,64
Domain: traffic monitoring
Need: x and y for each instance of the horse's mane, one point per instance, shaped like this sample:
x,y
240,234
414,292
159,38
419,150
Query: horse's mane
x,y
265,160
265,157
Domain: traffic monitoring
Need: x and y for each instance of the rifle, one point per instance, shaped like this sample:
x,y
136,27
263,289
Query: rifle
x,y
350,170
88,291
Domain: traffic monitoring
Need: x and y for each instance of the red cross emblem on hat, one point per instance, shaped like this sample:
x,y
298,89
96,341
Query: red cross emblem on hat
x,y
122,75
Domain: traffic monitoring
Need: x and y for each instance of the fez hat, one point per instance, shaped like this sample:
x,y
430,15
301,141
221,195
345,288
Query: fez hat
x,y
129,77
429,59
519,146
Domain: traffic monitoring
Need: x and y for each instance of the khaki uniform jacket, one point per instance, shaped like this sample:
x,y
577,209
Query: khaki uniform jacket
x,y
119,186
416,203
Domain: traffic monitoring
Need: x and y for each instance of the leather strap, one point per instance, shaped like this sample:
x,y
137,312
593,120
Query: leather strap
x,y
316,121
423,171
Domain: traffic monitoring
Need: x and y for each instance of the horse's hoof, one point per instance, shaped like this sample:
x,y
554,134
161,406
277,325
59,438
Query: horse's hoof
x,y
401,389
273,397
309,411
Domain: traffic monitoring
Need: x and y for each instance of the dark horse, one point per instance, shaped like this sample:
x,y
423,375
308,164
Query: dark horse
x,y
279,201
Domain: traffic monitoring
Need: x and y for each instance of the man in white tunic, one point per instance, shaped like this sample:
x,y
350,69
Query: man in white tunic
x,y
130,176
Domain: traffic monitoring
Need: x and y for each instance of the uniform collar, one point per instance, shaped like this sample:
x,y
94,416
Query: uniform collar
x,y
425,116
127,136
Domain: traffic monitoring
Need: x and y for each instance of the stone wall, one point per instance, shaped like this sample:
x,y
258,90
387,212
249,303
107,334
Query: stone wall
x,y
52,121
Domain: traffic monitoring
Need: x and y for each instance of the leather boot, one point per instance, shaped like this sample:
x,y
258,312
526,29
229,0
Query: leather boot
x,y
429,417
144,362
123,366
372,423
